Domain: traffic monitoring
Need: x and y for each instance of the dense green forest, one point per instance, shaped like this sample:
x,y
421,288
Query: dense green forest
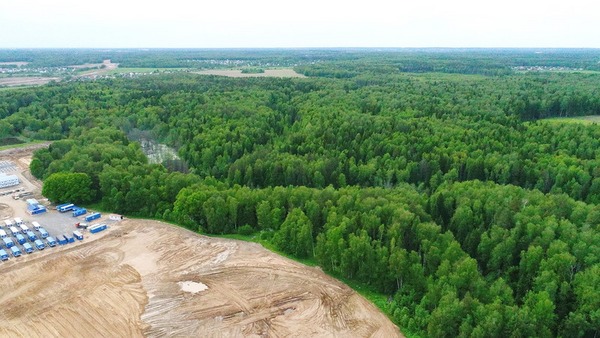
x,y
429,175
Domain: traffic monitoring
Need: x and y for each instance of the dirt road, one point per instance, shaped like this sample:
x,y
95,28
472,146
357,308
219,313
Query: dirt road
x,y
148,278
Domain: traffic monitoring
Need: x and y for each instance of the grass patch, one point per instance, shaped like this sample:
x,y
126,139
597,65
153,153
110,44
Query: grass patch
x,y
568,71
591,119
22,144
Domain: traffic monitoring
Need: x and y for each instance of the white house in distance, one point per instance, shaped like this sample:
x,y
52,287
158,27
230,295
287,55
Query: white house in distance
x,y
8,180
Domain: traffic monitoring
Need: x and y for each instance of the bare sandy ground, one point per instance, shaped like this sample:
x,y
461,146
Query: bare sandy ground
x,y
148,278
108,66
26,81
238,73
130,282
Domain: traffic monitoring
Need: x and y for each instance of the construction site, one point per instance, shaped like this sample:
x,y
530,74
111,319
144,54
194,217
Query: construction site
x,y
148,278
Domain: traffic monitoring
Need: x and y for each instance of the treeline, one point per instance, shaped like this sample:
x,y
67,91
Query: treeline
x,y
171,58
337,63
488,62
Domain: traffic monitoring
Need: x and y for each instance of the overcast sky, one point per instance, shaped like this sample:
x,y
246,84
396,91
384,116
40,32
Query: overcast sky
x,y
306,23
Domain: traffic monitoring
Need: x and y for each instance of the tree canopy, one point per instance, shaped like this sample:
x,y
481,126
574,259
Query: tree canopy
x,y
68,187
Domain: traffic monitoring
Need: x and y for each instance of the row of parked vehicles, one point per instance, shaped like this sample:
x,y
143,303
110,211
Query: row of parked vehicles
x,y
29,239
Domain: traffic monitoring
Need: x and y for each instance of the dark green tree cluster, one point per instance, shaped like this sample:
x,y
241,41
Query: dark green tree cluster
x,y
68,187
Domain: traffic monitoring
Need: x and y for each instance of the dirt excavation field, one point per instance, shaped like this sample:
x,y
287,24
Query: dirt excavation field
x,y
148,278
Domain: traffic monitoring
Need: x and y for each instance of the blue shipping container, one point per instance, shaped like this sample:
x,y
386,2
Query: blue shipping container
x,y
79,212
97,228
93,216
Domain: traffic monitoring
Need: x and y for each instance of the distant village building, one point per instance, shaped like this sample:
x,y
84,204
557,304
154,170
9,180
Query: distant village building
x,y
8,180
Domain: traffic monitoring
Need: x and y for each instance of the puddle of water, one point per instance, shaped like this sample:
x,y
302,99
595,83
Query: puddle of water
x,y
192,287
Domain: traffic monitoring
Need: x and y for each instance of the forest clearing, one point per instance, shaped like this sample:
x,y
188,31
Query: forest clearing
x,y
575,119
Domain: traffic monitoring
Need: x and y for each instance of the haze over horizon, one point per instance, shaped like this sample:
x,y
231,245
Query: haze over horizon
x,y
311,23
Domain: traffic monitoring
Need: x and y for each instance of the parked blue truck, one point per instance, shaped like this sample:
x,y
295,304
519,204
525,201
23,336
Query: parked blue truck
x,y
32,236
28,248
3,255
43,233
39,244
8,242
16,252
51,241
21,239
